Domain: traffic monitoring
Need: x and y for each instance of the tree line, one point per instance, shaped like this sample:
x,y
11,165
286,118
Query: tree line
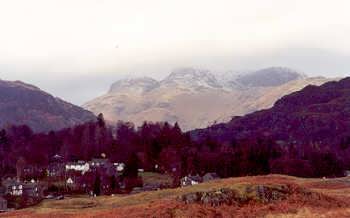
x,y
163,147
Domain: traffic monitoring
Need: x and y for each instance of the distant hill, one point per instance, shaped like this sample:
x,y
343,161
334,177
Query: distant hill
x,y
274,76
316,115
21,103
197,98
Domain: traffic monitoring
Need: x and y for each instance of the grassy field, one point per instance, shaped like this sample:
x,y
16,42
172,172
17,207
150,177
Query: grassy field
x,y
150,178
310,198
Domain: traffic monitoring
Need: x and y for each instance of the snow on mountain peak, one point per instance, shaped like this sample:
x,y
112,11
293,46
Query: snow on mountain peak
x,y
197,79
212,96
191,78
134,85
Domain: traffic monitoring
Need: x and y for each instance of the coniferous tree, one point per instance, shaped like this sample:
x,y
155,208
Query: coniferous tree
x,y
132,166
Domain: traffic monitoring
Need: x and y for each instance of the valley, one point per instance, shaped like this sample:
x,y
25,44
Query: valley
x,y
304,134
174,109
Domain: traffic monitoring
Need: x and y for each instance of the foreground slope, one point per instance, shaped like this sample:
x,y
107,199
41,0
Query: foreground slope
x,y
260,196
197,98
22,103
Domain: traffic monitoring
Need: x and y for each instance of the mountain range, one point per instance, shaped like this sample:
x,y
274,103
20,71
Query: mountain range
x,y
198,98
192,97
22,103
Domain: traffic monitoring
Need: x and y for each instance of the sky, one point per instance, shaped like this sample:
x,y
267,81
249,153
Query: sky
x,y
75,49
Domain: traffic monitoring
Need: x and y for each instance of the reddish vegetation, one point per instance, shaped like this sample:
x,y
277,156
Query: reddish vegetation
x,y
305,134
302,202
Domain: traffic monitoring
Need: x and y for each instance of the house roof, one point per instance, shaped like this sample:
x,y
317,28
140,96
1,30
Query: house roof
x,y
99,160
30,185
57,156
8,182
76,163
195,178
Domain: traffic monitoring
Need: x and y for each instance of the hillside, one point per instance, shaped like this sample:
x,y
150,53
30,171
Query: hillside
x,y
211,97
260,196
22,103
317,115
274,76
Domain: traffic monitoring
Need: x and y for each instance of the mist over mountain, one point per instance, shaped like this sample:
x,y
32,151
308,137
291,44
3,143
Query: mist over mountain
x,y
274,76
22,103
196,98
138,85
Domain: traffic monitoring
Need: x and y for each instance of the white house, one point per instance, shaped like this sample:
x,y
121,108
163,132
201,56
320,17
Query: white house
x,y
70,181
191,180
13,187
99,162
16,190
119,166
81,166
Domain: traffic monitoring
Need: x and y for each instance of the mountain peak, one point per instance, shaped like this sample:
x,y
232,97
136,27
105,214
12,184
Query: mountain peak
x,y
210,96
136,85
18,84
183,71
191,77
22,103
272,76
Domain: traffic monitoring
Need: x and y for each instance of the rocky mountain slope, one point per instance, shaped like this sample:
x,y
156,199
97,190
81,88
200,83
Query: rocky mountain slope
x,y
316,115
22,103
197,98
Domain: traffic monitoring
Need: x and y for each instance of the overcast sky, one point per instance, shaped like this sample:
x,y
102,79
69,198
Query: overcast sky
x,y
76,48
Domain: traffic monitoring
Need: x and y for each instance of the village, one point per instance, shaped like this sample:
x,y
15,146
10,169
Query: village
x,y
99,176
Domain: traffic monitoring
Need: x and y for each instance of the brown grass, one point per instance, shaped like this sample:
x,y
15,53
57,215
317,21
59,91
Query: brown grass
x,y
312,198
156,178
